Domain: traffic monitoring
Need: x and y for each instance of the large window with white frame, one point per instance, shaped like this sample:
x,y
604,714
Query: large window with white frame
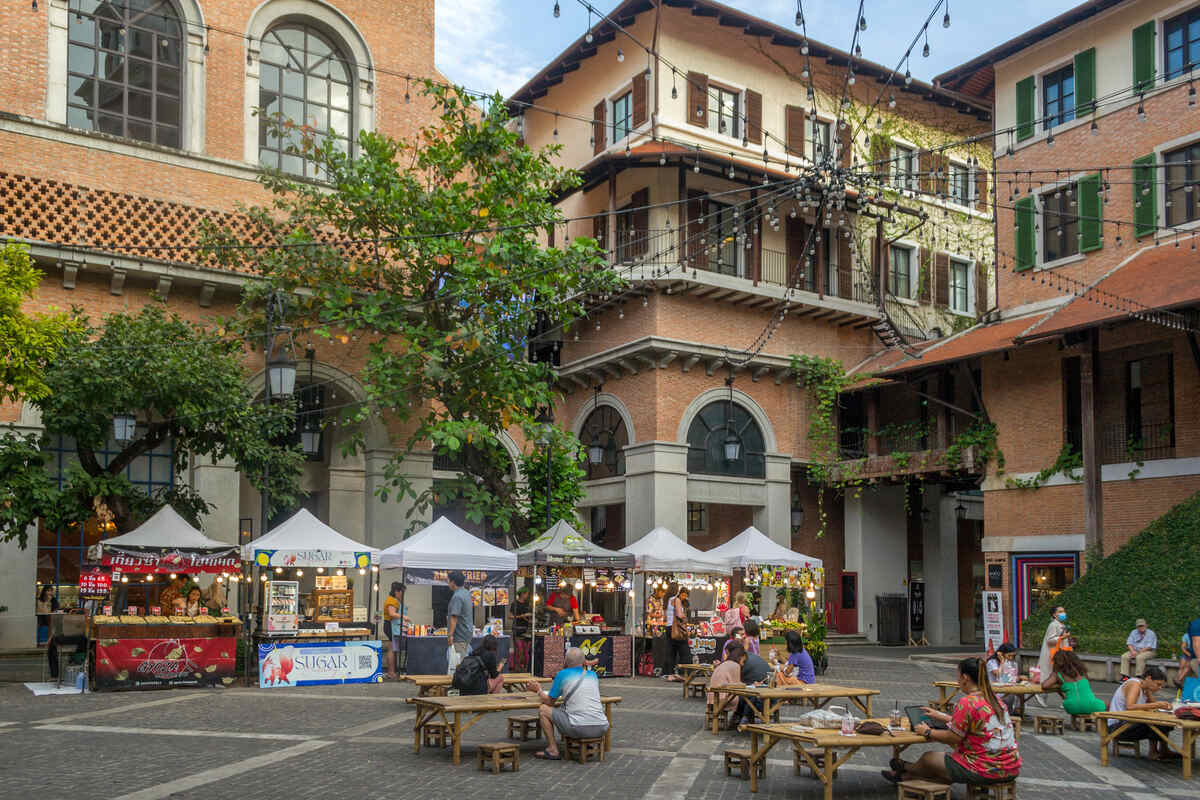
x,y
1060,223
1182,175
816,139
1181,44
622,116
959,184
901,271
960,285
724,110
904,168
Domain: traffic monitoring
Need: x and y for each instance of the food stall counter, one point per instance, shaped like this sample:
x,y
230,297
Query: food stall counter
x,y
135,652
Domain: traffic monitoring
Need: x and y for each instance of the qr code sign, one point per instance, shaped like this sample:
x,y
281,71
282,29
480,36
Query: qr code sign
x,y
366,661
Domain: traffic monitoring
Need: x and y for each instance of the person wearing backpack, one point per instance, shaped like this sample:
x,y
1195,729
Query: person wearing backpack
x,y
480,671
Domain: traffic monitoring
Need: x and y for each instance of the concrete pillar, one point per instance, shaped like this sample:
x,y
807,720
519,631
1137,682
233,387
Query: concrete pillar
x,y
388,520
775,517
941,569
18,575
655,489
220,486
876,548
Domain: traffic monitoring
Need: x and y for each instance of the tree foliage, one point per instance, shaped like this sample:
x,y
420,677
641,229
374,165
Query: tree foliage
x,y
427,251
27,342
562,453
184,383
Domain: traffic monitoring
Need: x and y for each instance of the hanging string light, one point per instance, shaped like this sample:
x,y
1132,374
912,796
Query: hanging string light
x,y
946,19
557,10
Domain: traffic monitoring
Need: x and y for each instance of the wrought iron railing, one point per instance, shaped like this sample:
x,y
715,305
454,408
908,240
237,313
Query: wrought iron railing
x,y
1119,444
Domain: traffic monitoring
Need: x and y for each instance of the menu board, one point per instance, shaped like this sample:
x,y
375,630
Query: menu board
x,y
330,582
283,606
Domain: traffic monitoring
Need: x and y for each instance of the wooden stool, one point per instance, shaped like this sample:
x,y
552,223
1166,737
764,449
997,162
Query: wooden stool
x,y
1083,723
1134,746
922,790
740,760
1016,722
993,791
524,727
818,756
697,688
1048,723
497,755
583,749
436,734
722,718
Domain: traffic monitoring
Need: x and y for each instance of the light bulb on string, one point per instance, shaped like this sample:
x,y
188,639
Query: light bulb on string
x,y
907,77
279,570
620,55
946,18
588,36
557,10
862,23
578,585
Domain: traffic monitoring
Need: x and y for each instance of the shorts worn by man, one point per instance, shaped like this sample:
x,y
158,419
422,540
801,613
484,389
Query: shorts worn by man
x,y
579,713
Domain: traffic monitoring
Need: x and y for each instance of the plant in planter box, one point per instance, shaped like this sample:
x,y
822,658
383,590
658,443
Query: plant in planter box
x,y
814,638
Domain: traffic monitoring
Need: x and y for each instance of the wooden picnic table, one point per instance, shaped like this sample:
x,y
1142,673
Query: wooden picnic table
x,y
451,711
438,684
1022,691
831,741
691,672
819,694
1165,719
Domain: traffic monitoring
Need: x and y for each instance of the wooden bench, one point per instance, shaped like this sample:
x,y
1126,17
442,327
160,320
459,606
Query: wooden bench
x,y
497,755
1083,723
994,791
815,753
922,790
740,760
524,727
435,734
1048,723
583,749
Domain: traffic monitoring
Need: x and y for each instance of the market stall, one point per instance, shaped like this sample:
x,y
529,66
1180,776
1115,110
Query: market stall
x,y
311,626
561,563
157,646
426,558
664,559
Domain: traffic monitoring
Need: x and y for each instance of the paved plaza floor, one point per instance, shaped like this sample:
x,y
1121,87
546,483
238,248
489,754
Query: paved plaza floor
x,y
356,741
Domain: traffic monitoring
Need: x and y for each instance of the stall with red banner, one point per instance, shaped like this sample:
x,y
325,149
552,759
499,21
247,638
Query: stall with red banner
x,y
163,645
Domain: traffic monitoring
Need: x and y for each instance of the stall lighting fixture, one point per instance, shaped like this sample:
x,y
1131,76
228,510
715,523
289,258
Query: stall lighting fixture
x,y
320,569
220,579
341,572
149,579
578,585
279,570
376,588
124,579
362,571
811,594
538,580
263,577
173,576
299,573
374,569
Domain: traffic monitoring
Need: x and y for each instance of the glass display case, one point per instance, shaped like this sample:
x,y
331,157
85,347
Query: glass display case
x,y
283,606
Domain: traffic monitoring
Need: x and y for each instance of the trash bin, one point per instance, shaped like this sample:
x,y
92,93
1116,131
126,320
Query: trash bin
x,y
891,615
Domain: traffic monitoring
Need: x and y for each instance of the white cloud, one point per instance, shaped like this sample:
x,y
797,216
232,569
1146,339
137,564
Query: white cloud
x,y
475,49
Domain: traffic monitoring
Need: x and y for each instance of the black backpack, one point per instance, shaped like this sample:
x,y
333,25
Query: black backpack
x,y
470,676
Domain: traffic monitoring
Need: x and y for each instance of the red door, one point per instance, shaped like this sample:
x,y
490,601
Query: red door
x,y
847,615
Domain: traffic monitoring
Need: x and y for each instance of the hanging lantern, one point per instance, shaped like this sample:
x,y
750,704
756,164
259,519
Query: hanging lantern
x,y
733,447
595,454
124,425
281,371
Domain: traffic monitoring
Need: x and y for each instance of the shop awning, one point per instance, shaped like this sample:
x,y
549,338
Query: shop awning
x,y
165,543
660,550
444,545
752,546
305,541
562,545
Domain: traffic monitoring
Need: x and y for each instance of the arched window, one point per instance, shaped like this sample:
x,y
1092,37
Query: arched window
x,y
125,70
604,438
307,79
709,433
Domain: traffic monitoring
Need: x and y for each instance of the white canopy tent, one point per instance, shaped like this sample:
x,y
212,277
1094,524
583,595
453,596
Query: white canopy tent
x,y
660,550
752,546
166,529
165,543
444,545
305,541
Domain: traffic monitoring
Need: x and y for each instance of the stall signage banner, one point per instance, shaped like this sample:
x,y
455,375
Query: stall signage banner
x,y
597,648
319,663
314,558
475,577
993,621
703,648
167,561
157,663
95,584
916,606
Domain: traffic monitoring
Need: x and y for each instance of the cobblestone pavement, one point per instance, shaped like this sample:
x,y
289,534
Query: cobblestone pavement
x,y
356,741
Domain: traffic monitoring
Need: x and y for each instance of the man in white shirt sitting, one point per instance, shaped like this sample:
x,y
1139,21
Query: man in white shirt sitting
x,y
1140,647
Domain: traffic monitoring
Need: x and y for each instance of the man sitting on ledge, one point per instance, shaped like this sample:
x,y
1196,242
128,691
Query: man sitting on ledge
x,y
572,705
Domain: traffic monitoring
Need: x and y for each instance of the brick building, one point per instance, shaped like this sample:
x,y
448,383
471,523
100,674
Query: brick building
x,y
1086,364
700,174
125,124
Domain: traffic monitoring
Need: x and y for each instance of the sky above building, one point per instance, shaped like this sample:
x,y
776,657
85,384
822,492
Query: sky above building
x,y
497,45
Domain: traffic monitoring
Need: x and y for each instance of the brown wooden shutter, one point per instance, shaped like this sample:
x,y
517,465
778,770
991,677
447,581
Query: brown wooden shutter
x,y
639,223
925,165
796,234
794,129
697,110
753,116
598,127
981,289
981,188
941,271
879,157
847,145
639,98
924,274
696,250
845,274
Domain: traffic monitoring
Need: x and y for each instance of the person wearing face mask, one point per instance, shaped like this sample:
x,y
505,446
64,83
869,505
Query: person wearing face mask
x,y
1056,632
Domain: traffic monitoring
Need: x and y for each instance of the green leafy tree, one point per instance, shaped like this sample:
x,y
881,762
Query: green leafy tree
x,y
184,383
562,453
27,342
429,252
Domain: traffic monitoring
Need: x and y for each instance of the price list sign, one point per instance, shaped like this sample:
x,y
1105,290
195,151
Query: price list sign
x,y
95,584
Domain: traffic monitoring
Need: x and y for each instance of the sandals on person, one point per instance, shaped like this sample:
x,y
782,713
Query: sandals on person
x,y
547,755
897,766
892,776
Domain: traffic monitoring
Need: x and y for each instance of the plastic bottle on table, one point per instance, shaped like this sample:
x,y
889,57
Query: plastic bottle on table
x,y
848,724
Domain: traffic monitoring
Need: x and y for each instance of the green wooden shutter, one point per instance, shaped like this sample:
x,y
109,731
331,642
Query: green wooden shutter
x,y
1145,195
1023,222
1025,104
1085,82
1143,57
1090,211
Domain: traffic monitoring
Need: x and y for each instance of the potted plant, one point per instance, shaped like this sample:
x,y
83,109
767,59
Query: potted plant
x,y
814,639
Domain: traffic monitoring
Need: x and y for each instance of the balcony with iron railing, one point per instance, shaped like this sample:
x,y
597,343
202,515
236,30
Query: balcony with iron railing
x,y
895,451
1149,441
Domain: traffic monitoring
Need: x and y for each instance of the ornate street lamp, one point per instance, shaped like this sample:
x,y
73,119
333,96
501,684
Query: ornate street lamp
x,y
733,445
124,425
797,512
595,449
